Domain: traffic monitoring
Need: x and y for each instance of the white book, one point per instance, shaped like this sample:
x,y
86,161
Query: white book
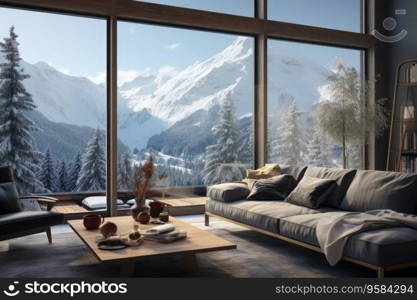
x,y
157,230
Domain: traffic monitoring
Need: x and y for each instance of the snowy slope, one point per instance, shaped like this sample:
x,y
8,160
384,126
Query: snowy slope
x,y
64,98
203,84
151,104
78,101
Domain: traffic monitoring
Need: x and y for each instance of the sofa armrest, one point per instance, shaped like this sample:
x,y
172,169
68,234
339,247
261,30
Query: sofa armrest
x,y
228,192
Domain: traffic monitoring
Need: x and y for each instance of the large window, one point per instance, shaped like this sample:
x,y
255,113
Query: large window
x,y
316,105
334,14
53,101
186,98
234,7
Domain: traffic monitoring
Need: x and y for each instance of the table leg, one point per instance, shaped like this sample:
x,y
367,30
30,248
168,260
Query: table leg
x,y
127,269
191,263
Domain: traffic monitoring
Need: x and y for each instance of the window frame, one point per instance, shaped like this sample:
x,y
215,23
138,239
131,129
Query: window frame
x,y
258,27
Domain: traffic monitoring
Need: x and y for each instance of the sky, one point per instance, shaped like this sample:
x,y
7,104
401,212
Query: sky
x,y
77,45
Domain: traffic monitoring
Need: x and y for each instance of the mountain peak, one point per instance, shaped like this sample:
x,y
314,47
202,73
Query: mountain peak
x,y
240,48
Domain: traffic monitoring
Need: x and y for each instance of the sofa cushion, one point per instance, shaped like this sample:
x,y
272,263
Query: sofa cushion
x,y
311,192
260,214
296,172
343,178
28,220
9,198
382,190
382,247
274,188
228,192
303,227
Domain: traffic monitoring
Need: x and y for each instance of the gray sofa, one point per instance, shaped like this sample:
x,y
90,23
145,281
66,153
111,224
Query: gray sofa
x,y
356,190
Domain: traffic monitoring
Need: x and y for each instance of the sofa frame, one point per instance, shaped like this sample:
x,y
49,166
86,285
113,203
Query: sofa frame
x,y
380,270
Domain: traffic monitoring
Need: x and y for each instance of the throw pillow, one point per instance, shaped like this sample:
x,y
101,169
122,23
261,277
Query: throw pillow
x,y
98,202
274,188
311,192
268,171
228,192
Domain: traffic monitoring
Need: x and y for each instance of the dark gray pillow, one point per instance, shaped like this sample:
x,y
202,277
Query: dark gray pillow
x,y
343,178
296,172
228,192
311,192
382,190
274,188
9,198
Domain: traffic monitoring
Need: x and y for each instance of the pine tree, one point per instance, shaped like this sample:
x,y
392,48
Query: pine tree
x,y
47,173
17,146
125,173
93,171
74,173
318,152
289,146
246,148
225,151
62,184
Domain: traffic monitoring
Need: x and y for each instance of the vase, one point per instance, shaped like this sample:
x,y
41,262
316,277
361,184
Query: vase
x,y
143,217
138,207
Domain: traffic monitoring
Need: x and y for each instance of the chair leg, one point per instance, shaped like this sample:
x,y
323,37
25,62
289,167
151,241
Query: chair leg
x,y
206,220
381,273
49,235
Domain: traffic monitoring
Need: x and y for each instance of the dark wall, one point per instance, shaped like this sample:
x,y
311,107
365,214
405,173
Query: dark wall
x,y
389,55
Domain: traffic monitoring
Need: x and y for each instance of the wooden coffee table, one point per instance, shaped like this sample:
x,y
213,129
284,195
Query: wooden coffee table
x,y
198,241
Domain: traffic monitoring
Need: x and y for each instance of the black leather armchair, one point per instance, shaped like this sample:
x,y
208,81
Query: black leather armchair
x,y
20,216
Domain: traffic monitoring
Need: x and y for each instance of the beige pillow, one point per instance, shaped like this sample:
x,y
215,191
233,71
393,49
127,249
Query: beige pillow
x,y
268,171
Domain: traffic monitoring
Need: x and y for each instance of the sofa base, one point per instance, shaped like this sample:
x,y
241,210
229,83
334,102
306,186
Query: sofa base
x,y
379,270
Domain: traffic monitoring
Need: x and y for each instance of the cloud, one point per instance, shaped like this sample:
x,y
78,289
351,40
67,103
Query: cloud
x,y
173,46
123,76
165,73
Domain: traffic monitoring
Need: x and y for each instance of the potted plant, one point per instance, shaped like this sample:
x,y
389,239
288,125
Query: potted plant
x,y
142,179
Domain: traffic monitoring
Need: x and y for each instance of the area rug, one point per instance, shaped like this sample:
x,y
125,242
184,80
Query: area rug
x,y
256,256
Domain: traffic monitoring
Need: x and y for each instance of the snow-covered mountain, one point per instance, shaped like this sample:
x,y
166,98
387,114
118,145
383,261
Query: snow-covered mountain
x,y
151,104
204,84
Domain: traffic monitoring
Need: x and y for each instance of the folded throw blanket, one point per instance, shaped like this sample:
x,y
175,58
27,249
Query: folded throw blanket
x,y
332,233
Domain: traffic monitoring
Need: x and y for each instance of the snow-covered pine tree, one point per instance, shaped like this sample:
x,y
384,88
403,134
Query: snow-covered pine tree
x,y
318,152
47,173
290,145
246,148
225,151
62,183
93,171
17,146
74,173
125,174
